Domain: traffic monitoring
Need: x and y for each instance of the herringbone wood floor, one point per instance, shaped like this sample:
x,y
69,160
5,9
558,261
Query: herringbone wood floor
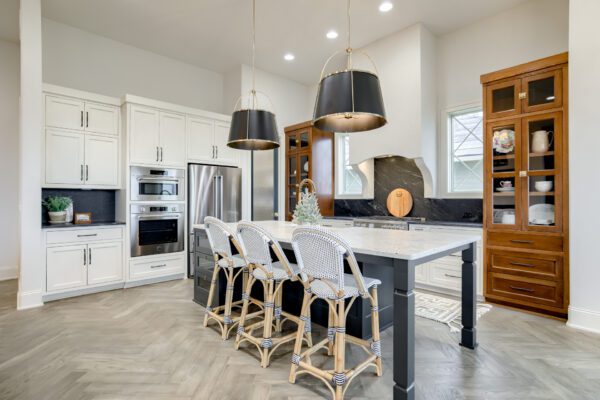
x,y
149,343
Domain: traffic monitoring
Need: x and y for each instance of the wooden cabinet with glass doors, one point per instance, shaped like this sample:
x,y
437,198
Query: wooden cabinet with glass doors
x,y
526,188
309,153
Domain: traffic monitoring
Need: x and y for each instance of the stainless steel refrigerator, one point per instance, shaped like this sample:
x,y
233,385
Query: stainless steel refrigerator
x,y
212,191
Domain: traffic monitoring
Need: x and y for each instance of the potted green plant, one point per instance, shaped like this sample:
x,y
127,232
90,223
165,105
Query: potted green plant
x,y
57,208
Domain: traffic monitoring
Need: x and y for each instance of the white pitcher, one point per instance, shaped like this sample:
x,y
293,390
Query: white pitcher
x,y
540,141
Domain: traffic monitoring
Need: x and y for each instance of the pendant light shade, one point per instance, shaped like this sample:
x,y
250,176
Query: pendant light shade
x,y
253,130
349,100
252,127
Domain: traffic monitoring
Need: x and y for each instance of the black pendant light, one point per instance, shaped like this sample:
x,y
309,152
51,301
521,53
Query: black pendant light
x,y
253,128
349,100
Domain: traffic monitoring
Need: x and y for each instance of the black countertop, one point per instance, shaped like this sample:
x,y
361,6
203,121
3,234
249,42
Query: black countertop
x,y
92,225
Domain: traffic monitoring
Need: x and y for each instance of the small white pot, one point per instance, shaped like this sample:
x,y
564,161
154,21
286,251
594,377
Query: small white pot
x,y
57,216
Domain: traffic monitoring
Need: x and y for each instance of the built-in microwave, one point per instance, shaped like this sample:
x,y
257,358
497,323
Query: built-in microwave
x,y
157,184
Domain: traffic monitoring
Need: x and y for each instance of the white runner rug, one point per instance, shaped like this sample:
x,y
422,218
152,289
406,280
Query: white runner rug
x,y
444,310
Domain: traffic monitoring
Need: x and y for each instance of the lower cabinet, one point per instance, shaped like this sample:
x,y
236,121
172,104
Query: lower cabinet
x,y
72,263
154,267
445,274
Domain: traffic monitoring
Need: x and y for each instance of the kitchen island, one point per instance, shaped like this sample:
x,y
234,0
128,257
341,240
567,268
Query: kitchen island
x,y
392,256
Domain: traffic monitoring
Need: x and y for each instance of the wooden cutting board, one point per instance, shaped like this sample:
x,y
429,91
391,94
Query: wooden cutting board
x,y
399,202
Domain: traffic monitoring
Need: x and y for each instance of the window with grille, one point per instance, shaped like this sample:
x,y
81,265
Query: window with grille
x,y
466,151
349,181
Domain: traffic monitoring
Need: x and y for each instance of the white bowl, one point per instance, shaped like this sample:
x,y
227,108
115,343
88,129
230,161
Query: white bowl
x,y
544,186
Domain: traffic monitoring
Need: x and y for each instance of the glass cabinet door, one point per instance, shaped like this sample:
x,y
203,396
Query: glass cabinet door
x,y
543,91
503,141
542,142
304,167
303,140
502,99
292,142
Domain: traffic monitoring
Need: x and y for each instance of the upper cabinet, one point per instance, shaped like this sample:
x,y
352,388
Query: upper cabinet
x,y
81,141
156,137
207,141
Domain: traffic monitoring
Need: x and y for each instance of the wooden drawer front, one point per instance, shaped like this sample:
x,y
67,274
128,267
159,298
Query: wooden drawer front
x,y
525,241
160,267
83,235
539,292
542,267
445,276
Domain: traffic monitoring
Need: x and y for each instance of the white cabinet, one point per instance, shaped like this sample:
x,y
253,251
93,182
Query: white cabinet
x,y
104,263
156,137
144,133
101,160
81,115
65,157
65,267
101,118
445,274
81,258
207,141
172,139
154,267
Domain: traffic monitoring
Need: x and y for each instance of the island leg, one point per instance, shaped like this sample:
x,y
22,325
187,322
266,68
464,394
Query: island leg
x,y
469,298
404,330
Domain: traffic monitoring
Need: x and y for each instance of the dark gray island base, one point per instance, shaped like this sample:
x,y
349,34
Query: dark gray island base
x,y
396,305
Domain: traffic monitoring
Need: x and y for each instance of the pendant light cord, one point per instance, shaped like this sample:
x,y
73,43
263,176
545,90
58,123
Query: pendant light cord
x,y
348,48
253,54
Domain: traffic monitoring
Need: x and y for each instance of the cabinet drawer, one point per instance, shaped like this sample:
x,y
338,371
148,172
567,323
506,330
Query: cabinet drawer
x,y
83,235
547,293
159,267
525,241
447,276
514,263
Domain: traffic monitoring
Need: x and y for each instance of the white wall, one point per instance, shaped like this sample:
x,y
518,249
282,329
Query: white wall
x,y
9,162
584,142
85,61
532,30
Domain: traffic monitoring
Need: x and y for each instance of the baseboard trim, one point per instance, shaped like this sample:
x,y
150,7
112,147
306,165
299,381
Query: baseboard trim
x,y
585,320
8,272
83,292
150,281
31,299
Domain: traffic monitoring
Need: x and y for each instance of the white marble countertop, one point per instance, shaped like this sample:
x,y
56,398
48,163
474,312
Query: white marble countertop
x,y
405,245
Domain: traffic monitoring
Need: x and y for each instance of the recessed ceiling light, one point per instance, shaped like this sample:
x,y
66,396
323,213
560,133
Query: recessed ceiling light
x,y
386,6
332,34
289,57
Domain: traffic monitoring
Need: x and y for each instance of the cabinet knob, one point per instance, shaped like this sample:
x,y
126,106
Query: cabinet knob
x,y
522,95
523,174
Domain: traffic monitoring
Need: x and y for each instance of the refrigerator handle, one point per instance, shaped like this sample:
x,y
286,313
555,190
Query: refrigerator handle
x,y
216,197
220,199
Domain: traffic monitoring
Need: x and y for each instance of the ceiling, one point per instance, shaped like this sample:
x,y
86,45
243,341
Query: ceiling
x,y
215,34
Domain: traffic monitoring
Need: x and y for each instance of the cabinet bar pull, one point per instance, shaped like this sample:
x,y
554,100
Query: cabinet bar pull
x,y
88,235
156,153
158,266
87,119
521,241
82,119
522,289
81,172
453,276
87,172
217,150
161,154
518,264
84,257
89,256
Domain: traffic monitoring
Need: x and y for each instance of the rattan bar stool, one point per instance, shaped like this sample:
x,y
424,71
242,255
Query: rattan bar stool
x,y
220,237
256,245
320,254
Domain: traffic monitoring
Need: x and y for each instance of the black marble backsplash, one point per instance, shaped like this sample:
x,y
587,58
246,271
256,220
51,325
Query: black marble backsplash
x,y
101,203
400,172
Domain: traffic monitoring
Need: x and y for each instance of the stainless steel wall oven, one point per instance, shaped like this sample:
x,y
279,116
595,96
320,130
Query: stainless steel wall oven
x,y
157,229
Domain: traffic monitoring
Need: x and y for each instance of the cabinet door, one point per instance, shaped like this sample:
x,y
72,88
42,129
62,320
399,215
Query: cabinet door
x,y
64,157
503,99
66,267
144,132
105,263
100,118
172,139
101,160
543,91
225,154
201,136
63,112
503,170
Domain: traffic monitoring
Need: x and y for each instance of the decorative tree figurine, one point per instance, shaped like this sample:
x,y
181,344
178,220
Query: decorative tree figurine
x,y
307,211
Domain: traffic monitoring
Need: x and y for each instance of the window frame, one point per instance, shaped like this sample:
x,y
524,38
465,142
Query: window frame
x,y
446,152
339,172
